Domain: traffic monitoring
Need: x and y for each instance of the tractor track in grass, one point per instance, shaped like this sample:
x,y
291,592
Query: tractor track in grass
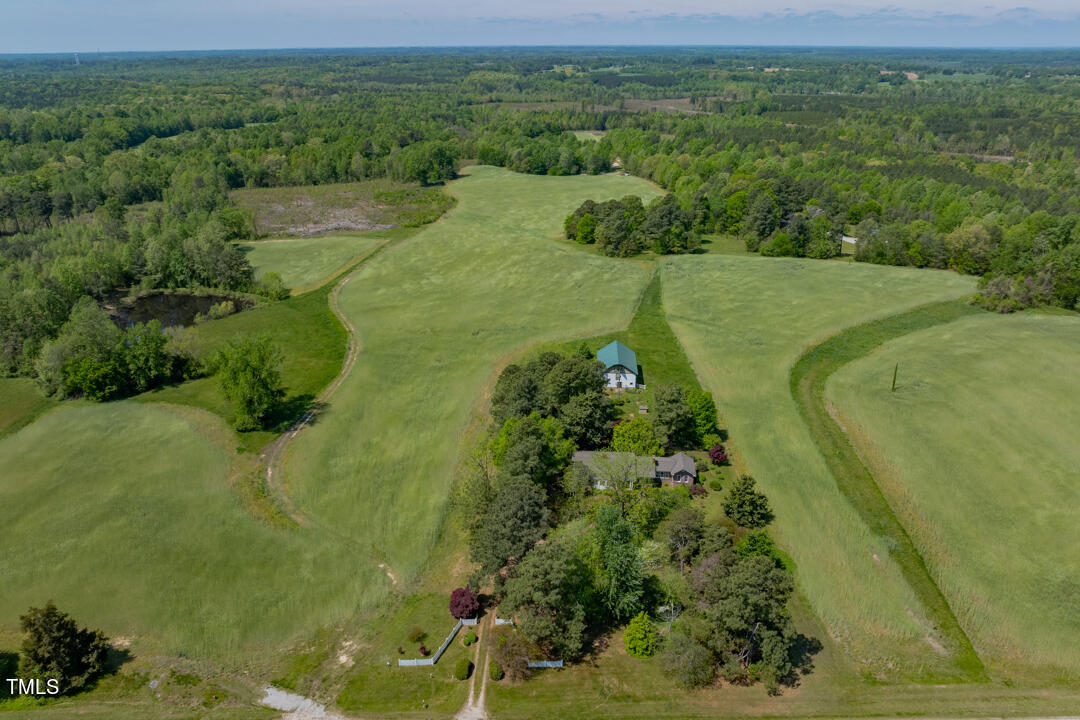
x,y
808,377
273,454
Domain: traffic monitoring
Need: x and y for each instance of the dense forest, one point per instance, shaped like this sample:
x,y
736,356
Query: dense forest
x,y
115,173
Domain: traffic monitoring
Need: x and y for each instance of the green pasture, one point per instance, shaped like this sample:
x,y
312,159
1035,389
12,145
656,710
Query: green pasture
x,y
744,322
303,262
375,686
132,522
436,317
809,376
977,450
124,515
20,402
311,341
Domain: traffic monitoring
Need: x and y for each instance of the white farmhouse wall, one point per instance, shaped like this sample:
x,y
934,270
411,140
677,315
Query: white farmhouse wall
x,y
616,376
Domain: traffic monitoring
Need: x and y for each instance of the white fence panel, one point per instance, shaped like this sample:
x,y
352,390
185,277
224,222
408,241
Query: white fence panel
x,y
438,653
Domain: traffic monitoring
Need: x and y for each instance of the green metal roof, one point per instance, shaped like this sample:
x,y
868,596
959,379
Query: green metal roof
x,y
615,353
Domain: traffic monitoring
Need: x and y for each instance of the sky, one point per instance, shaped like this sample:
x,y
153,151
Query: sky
x,y
28,26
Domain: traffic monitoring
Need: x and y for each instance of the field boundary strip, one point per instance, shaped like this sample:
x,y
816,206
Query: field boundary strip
x,y
808,378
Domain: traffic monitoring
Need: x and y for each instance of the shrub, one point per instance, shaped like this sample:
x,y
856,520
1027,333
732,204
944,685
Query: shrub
x,y
222,309
511,653
641,638
711,440
716,485
416,635
272,287
249,373
689,663
718,455
704,410
424,651
495,671
469,638
463,603
697,490
463,669
758,542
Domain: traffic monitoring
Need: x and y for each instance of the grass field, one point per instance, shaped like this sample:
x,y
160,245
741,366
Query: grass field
x,y
312,344
20,402
377,687
318,209
435,316
303,262
977,449
809,376
744,322
131,525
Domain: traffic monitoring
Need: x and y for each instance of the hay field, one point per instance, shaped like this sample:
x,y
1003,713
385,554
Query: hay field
x,y
977,449
744,321
435,315
307,261
131,524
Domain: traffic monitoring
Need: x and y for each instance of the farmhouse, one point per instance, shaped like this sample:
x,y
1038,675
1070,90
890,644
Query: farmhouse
x,y
620,365
678,469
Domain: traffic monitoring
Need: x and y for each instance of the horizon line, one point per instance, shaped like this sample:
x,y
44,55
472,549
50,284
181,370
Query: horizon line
x,y
537,46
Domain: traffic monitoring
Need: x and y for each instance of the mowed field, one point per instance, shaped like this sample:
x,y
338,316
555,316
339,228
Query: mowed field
x,y
306,261
978,451
124,515
744,321
436,315
20,402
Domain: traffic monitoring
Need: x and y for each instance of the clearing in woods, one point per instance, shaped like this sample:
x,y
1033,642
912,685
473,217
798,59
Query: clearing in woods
x,y
357,206
977,450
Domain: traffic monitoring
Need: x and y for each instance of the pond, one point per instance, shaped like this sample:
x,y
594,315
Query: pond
x,y
172,309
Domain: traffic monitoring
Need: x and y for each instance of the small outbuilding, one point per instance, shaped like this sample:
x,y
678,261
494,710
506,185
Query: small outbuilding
x,y
620,365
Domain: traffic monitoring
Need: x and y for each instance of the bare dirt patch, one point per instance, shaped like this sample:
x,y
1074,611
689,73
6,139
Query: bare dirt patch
x,y
359,206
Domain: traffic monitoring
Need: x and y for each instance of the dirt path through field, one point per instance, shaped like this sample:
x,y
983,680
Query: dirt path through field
x,y
274,452
475,706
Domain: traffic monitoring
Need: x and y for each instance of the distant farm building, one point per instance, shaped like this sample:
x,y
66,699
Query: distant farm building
x,y
621,368
679,469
